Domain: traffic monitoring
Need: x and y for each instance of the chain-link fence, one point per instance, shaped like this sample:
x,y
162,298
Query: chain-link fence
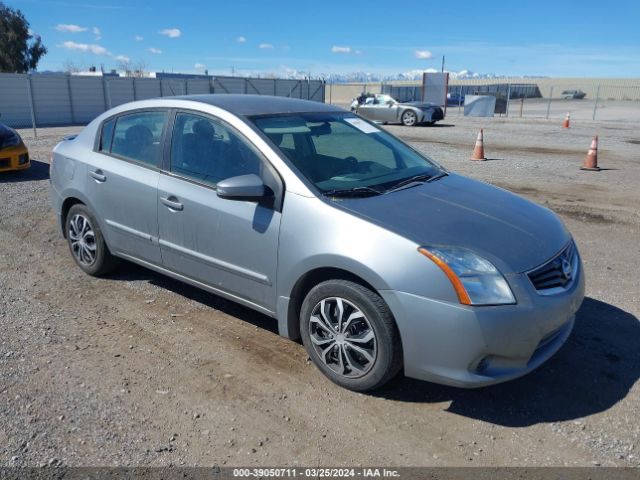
x,y
44,100
604,102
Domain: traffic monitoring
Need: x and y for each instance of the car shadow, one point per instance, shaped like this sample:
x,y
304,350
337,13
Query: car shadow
x,y
38,171
131,272
593,371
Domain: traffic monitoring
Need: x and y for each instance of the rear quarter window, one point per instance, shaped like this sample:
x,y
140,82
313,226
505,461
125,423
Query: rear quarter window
x,y
106,136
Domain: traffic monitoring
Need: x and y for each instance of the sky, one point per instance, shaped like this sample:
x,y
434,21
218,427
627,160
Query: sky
x,y
548,38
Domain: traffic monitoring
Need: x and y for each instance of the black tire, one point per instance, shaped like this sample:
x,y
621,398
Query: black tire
x,y
103,262
409,118
388,348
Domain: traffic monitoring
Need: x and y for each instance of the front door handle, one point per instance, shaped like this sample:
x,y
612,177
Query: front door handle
x,y
172,202
98,175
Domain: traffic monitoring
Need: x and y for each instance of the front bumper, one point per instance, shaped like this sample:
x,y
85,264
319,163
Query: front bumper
x,y
433,115
14,158
468,346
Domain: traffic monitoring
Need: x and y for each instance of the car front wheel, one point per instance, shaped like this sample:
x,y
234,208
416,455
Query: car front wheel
x,y
409,118
350,335
86,243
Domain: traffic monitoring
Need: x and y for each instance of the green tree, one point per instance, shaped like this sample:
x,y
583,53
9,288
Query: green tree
x,y
19,50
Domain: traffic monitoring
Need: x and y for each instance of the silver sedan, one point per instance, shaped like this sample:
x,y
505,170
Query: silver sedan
x,y
376,256
384,109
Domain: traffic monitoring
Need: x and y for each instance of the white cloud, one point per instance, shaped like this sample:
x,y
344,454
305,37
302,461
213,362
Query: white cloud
x,y
156,51
358,52
83,47
423,54
338,49
266,46
67,27
96,31
138,38
241,39
170,32
123,58
199,66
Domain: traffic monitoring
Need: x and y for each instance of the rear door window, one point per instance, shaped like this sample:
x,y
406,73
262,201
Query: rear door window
x,y
138,137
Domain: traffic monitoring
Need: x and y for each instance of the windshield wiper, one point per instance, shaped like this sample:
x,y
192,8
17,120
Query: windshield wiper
x,y
352,192
437,177
421,178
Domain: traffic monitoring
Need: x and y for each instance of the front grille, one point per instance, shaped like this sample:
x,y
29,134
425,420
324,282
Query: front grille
x,y
557,274
4,162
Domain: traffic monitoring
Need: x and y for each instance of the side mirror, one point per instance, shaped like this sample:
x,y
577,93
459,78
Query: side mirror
x,y
244,187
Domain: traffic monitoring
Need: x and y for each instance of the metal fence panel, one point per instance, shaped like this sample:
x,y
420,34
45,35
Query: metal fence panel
x,y
51,99
229,85
119,91
61,99
173,87
198,86
317,91
288,88
14,100
146,88
87,98
260,86
403,93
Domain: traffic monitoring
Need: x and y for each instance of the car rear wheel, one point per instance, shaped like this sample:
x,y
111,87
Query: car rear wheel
x,y
409,118
86,243
350,335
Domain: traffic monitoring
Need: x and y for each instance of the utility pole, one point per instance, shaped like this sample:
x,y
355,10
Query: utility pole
x,y
442,63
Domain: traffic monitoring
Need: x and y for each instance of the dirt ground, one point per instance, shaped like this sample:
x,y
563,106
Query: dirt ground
x,y
137,369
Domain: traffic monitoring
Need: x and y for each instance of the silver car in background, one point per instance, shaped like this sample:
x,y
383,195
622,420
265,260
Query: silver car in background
x,y
383,108
374,255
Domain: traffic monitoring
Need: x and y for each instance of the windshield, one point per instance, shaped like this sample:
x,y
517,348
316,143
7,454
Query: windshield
x,y
340,151
8,137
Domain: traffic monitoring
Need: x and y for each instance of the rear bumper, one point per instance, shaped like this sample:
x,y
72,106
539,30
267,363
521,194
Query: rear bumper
x,y
470,347
56,205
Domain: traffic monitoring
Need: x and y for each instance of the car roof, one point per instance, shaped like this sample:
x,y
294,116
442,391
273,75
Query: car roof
x,y
249,105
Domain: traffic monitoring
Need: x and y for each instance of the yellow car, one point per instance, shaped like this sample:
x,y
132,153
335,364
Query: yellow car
x,y
13,152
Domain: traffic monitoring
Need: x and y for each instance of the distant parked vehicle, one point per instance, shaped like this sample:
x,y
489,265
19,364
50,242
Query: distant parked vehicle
x,y
573,95
454,99
13,152
385,109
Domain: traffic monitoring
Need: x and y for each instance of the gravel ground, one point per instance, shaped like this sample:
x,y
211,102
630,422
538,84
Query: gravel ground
x,y
136,369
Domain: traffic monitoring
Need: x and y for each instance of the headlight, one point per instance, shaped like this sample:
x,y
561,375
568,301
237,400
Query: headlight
x,y
475,280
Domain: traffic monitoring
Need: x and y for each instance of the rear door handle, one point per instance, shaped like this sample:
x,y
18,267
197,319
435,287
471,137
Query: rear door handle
x,y
172,202
98,175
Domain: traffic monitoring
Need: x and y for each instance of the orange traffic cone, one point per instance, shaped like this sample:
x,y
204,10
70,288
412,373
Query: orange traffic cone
x,y
478,151
591,160
567,121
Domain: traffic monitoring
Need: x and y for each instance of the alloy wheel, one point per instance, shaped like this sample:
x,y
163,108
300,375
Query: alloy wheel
x,y
409,118
342,337
82,239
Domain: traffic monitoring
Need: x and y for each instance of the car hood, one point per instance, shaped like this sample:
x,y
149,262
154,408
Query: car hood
x,y
420,104
514,234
